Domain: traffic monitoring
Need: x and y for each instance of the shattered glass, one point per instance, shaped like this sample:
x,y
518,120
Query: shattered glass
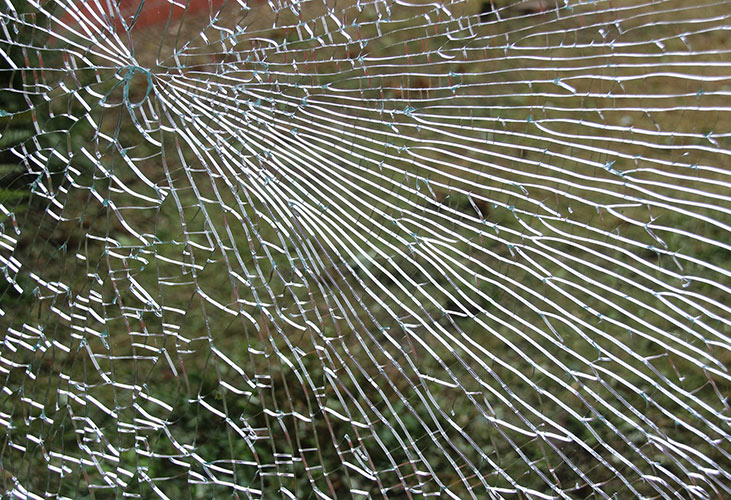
x,y
365,248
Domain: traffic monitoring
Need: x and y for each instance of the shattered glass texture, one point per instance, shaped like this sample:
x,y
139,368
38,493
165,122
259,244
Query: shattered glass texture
x,y
388,249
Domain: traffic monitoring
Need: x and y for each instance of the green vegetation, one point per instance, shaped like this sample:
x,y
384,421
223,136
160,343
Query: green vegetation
x,y
235,385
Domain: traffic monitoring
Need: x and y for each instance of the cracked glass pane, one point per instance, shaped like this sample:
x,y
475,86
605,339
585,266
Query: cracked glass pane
x,y
365,248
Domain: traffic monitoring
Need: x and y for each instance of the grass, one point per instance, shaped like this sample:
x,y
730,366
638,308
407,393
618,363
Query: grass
x,y
173,350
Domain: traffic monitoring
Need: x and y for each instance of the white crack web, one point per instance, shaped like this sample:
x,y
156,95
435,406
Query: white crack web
x,y
367,249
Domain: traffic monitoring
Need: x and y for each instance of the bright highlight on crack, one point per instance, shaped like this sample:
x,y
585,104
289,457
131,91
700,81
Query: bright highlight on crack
x,y
382,249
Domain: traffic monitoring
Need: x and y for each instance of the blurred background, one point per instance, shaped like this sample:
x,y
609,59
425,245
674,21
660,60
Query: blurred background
x,y
364,249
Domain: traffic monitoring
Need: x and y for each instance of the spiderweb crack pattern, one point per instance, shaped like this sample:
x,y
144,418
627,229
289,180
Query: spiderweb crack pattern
x,y
365,248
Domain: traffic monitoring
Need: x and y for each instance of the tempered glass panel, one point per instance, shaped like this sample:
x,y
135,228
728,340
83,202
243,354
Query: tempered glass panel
x,y
389,249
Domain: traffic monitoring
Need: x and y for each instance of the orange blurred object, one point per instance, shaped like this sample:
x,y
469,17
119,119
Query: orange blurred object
x,y
138,14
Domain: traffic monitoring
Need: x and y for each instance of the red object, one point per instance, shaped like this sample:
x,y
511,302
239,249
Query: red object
x,y
151,12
